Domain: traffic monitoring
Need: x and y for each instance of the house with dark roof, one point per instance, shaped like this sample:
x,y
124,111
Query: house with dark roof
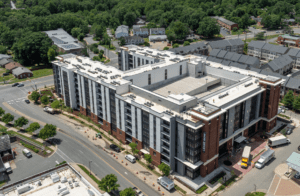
x,y
235,57
134,40
5,56
282,65
121,31
157,31
196,48
231,45
142,32
265,51
64,41
226,23
22,72
3,62
293,53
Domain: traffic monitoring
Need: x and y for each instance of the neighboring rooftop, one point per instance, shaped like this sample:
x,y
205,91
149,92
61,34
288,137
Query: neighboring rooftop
x,y
20,70
5,56
279,63
224,43
268,47
190,48
63,40
228,22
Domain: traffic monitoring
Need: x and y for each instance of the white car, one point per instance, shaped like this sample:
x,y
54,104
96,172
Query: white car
x,y
277,32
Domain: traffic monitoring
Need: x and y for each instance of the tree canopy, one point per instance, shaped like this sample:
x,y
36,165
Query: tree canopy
x,y
128,192
288,99
2,112
7,118
20,122
109,183
35,96
47,132
164,168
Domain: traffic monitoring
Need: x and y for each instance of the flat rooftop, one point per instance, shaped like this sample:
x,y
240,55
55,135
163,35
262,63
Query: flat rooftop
x,y
186,85
48,187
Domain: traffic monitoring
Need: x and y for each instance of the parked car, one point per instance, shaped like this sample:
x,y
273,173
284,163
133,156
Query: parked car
x,y
5,74
130,158
254,27
27,101
138,192
15,84
20,85
289,131
298,148
297,175
115,148
277,32
27,153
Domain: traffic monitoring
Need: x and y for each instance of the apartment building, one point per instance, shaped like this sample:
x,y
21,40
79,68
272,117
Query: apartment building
x,y
121,31
226,23
282,65
197,48
295,55
157,31
265,51
290,40
143,32
163,104
231,45
235,57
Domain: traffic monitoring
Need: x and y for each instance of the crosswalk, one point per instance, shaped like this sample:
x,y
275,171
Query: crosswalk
x,y
18,100
64,156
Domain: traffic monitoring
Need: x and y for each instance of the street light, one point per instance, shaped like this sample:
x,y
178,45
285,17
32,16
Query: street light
x,y
90,166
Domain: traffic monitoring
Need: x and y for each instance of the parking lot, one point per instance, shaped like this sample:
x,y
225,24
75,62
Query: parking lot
x,y
24,167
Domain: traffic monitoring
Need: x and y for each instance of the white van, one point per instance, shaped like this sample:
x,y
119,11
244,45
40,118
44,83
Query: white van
x,y
27,153
130,158
7,167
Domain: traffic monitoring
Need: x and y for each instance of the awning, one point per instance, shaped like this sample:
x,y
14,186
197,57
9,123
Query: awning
x,y
294,161
290,42
144,151
240,139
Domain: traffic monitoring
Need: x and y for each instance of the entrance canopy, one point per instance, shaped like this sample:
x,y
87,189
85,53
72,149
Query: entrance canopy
x,y
144,151
240,139
294,161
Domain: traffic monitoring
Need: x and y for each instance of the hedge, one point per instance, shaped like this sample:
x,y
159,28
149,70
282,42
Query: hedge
x,y
31,147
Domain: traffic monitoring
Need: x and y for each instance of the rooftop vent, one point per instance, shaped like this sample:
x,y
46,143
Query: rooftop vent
x,y
223,95
132,96
248,84
148,104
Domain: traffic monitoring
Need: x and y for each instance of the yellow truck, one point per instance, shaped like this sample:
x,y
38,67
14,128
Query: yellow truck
x,y
246,156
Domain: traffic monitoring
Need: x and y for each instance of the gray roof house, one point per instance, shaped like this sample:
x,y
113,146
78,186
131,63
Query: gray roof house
x,y
22,72
157,38
265,51
157,31
5,56
231,45
235,57
295,55
282,65
197,48
3,62
136,40
121,31
137,26
64,41
143,32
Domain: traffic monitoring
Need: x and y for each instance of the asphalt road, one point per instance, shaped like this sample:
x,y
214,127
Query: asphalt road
x,y
73,147
262,178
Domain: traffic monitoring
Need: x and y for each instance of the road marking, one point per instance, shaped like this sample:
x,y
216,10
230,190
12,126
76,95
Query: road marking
x,y
64,156
80,151
57,162
126,173
106,163
277,186
96,164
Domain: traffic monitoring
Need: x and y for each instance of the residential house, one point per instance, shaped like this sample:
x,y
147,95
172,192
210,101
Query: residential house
x,y
121,31
226,23
140,22
64,41
289,40
235,57
256,19
290,21
295,55
265,51
282,65
5,56
3,62
135,40
231,45
143,32
157,38
22,72
157,31
12,65
197,48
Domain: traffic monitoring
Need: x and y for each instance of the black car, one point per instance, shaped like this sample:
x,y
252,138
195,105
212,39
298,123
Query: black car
x,y
289,131
27,101
115,148
297,175
5,74
15,84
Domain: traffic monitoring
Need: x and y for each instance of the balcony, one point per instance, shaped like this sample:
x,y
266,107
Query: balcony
x,y
129,139
165,147
129,132
165,125
165,140
165,153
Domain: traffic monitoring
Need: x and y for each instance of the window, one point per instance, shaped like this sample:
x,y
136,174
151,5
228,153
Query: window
x,y
166,74
142,61
131,80
180,70
120,132
136,142
149,79
154,153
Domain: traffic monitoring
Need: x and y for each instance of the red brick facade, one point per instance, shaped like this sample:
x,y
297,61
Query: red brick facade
x,y
106,126
230,27
155,156
282,40
210,167
24,75
83,110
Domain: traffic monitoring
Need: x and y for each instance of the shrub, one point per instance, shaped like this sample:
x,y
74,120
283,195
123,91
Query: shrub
x,y
201,189
30,147
186,43
175,45
166,48
33,127
96,50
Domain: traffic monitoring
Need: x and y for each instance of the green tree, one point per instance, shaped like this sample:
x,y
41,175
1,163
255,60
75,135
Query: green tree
x,y
33,127
122,41
76,31
99,30
133,147
109,183
47,132
80,36
148,158
7,118
3,49
166,48
51,54
129,18
245,48
186,43
128,192
55,104
259,36
164,168
288,99
208,27
170,35
101,54
96,50
175,45
45,100
32,48
235,29
180,29
2,112
20,122
146,44
296,103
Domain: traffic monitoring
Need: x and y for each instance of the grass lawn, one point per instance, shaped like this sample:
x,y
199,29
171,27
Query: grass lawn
x,y
268,37
10,76
240,31
88,173
2,183
110,48
273,43
2,127
146,39
256,194
201,189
